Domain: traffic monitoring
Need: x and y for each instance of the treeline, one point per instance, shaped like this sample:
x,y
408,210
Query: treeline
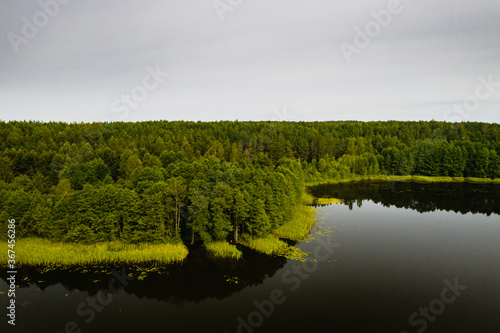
x,y
160,181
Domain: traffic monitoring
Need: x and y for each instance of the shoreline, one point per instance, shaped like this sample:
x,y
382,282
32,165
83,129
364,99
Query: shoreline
x,y
46,254
416,179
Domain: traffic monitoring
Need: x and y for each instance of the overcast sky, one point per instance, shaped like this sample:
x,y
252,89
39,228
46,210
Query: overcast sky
x,y
298,60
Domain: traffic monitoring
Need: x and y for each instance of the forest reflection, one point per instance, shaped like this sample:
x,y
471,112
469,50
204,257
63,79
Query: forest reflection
x,y
422,197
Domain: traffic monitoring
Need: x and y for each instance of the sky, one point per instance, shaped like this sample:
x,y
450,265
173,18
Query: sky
x,y
282,60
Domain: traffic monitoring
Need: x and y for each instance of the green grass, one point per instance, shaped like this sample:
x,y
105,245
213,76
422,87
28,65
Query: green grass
x,y
481,180
421,179
268,245
299,225
328,201
273,246
42,252
222,250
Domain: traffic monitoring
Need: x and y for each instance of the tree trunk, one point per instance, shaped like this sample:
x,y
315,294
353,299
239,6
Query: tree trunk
x,y
176,219
236,230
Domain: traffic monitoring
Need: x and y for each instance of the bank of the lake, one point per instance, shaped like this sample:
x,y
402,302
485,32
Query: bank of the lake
x,y
44,253
295,229
37,252
416,179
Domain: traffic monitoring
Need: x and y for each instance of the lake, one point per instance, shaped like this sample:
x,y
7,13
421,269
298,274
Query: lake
x,y
392,257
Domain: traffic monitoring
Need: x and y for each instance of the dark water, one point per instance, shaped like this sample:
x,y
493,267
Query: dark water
x,y
375,261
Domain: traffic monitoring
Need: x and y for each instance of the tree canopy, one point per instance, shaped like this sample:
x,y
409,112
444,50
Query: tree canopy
x,y
159,181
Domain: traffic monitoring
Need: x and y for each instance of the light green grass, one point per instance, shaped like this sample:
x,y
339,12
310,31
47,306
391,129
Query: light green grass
x,y
299,225
420,179
223,250
328,201
42,252
273,246
301,222
480,180
268,245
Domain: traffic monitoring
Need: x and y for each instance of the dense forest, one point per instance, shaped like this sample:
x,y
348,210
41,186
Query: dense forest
x,y
166,181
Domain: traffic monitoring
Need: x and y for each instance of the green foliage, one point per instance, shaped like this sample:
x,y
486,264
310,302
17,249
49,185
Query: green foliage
x,y
159,182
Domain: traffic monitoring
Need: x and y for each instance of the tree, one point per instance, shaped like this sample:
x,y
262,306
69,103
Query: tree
x,y
133,162
235,154
391,160
221,225
259,222
151,161
178,190
199,213
5,169
240,210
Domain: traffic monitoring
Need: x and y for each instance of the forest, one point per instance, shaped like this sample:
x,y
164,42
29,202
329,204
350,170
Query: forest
x,y
167,182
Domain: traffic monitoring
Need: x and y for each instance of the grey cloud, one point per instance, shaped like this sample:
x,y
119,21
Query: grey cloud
x,y
264,55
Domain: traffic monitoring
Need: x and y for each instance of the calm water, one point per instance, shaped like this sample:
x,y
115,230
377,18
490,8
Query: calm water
x,y
376,260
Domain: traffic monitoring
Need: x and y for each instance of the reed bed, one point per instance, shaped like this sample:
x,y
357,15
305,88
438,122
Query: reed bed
x,y
43,252
268,245
299,225
328,201
422,179
223,250
273,246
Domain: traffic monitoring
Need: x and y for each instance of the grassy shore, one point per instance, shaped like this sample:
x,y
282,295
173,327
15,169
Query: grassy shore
x,y
223,250
299,226
302,221
419,179
268,245
296,229
273,246
327,201
42,252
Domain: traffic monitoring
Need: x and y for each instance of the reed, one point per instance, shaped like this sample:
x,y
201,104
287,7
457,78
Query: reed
x,y
43,252
421,179
268,245
328,201
223,250
481,180
299,225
